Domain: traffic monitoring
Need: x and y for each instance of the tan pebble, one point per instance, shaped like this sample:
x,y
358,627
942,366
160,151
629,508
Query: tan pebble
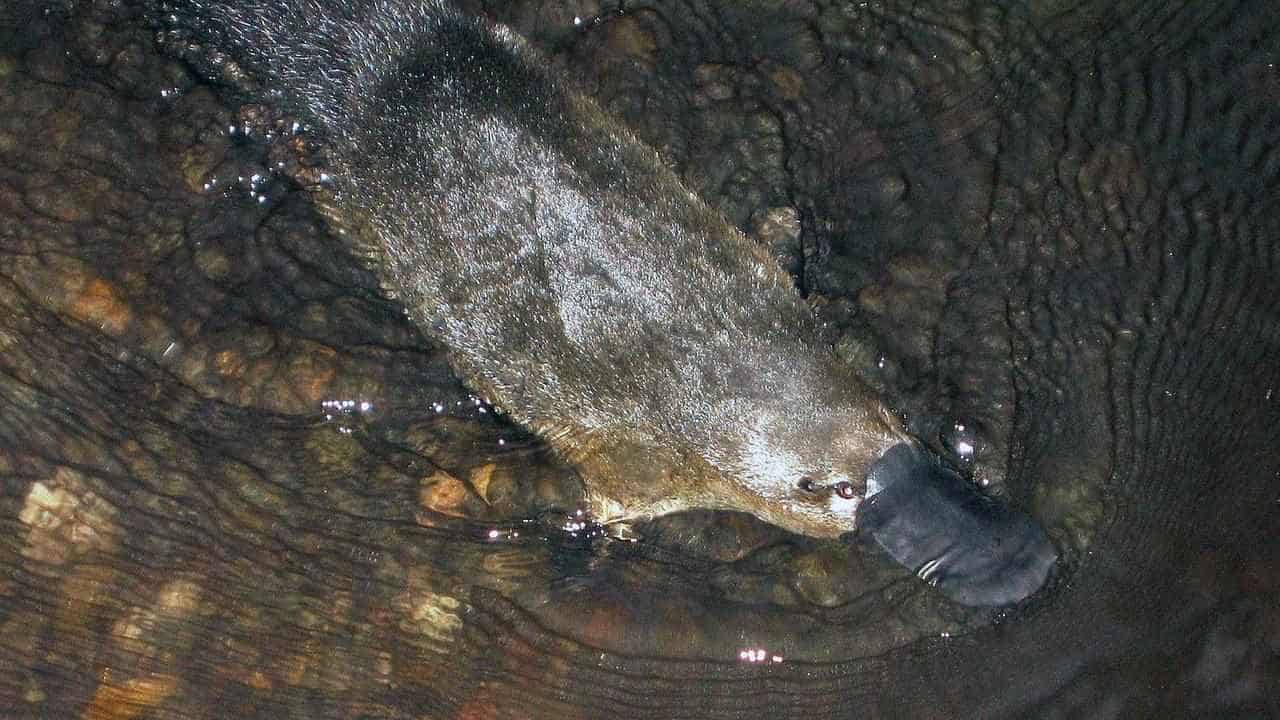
x,y
213,263
480,478
629,37
814,580
197,164
258,680
478,707
787,81
33,693
179,598
295,669
443,493
99,305
129,699
312,373
229,363
44,507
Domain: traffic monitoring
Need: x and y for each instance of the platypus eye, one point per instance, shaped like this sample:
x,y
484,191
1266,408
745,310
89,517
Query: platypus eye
x,y
845,489
806,484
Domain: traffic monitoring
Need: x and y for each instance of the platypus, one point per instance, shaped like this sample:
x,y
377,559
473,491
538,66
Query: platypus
x,y
578,285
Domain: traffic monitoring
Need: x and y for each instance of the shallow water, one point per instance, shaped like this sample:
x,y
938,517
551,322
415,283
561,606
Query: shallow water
x,y
237,481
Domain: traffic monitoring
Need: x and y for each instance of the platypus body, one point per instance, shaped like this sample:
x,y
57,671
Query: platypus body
x,y
578,285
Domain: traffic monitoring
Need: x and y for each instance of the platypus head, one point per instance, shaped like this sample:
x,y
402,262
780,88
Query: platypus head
x,y
799,464
850,473
807,470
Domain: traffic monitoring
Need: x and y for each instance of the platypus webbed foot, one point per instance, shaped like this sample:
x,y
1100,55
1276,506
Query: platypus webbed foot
x,y
974,549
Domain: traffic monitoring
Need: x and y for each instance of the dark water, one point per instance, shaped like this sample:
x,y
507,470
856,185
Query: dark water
x,y
235,481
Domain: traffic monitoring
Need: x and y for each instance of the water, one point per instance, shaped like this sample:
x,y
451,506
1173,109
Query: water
x,y
197,522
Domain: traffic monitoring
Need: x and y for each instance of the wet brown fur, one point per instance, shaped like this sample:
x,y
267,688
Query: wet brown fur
x,y
578,284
